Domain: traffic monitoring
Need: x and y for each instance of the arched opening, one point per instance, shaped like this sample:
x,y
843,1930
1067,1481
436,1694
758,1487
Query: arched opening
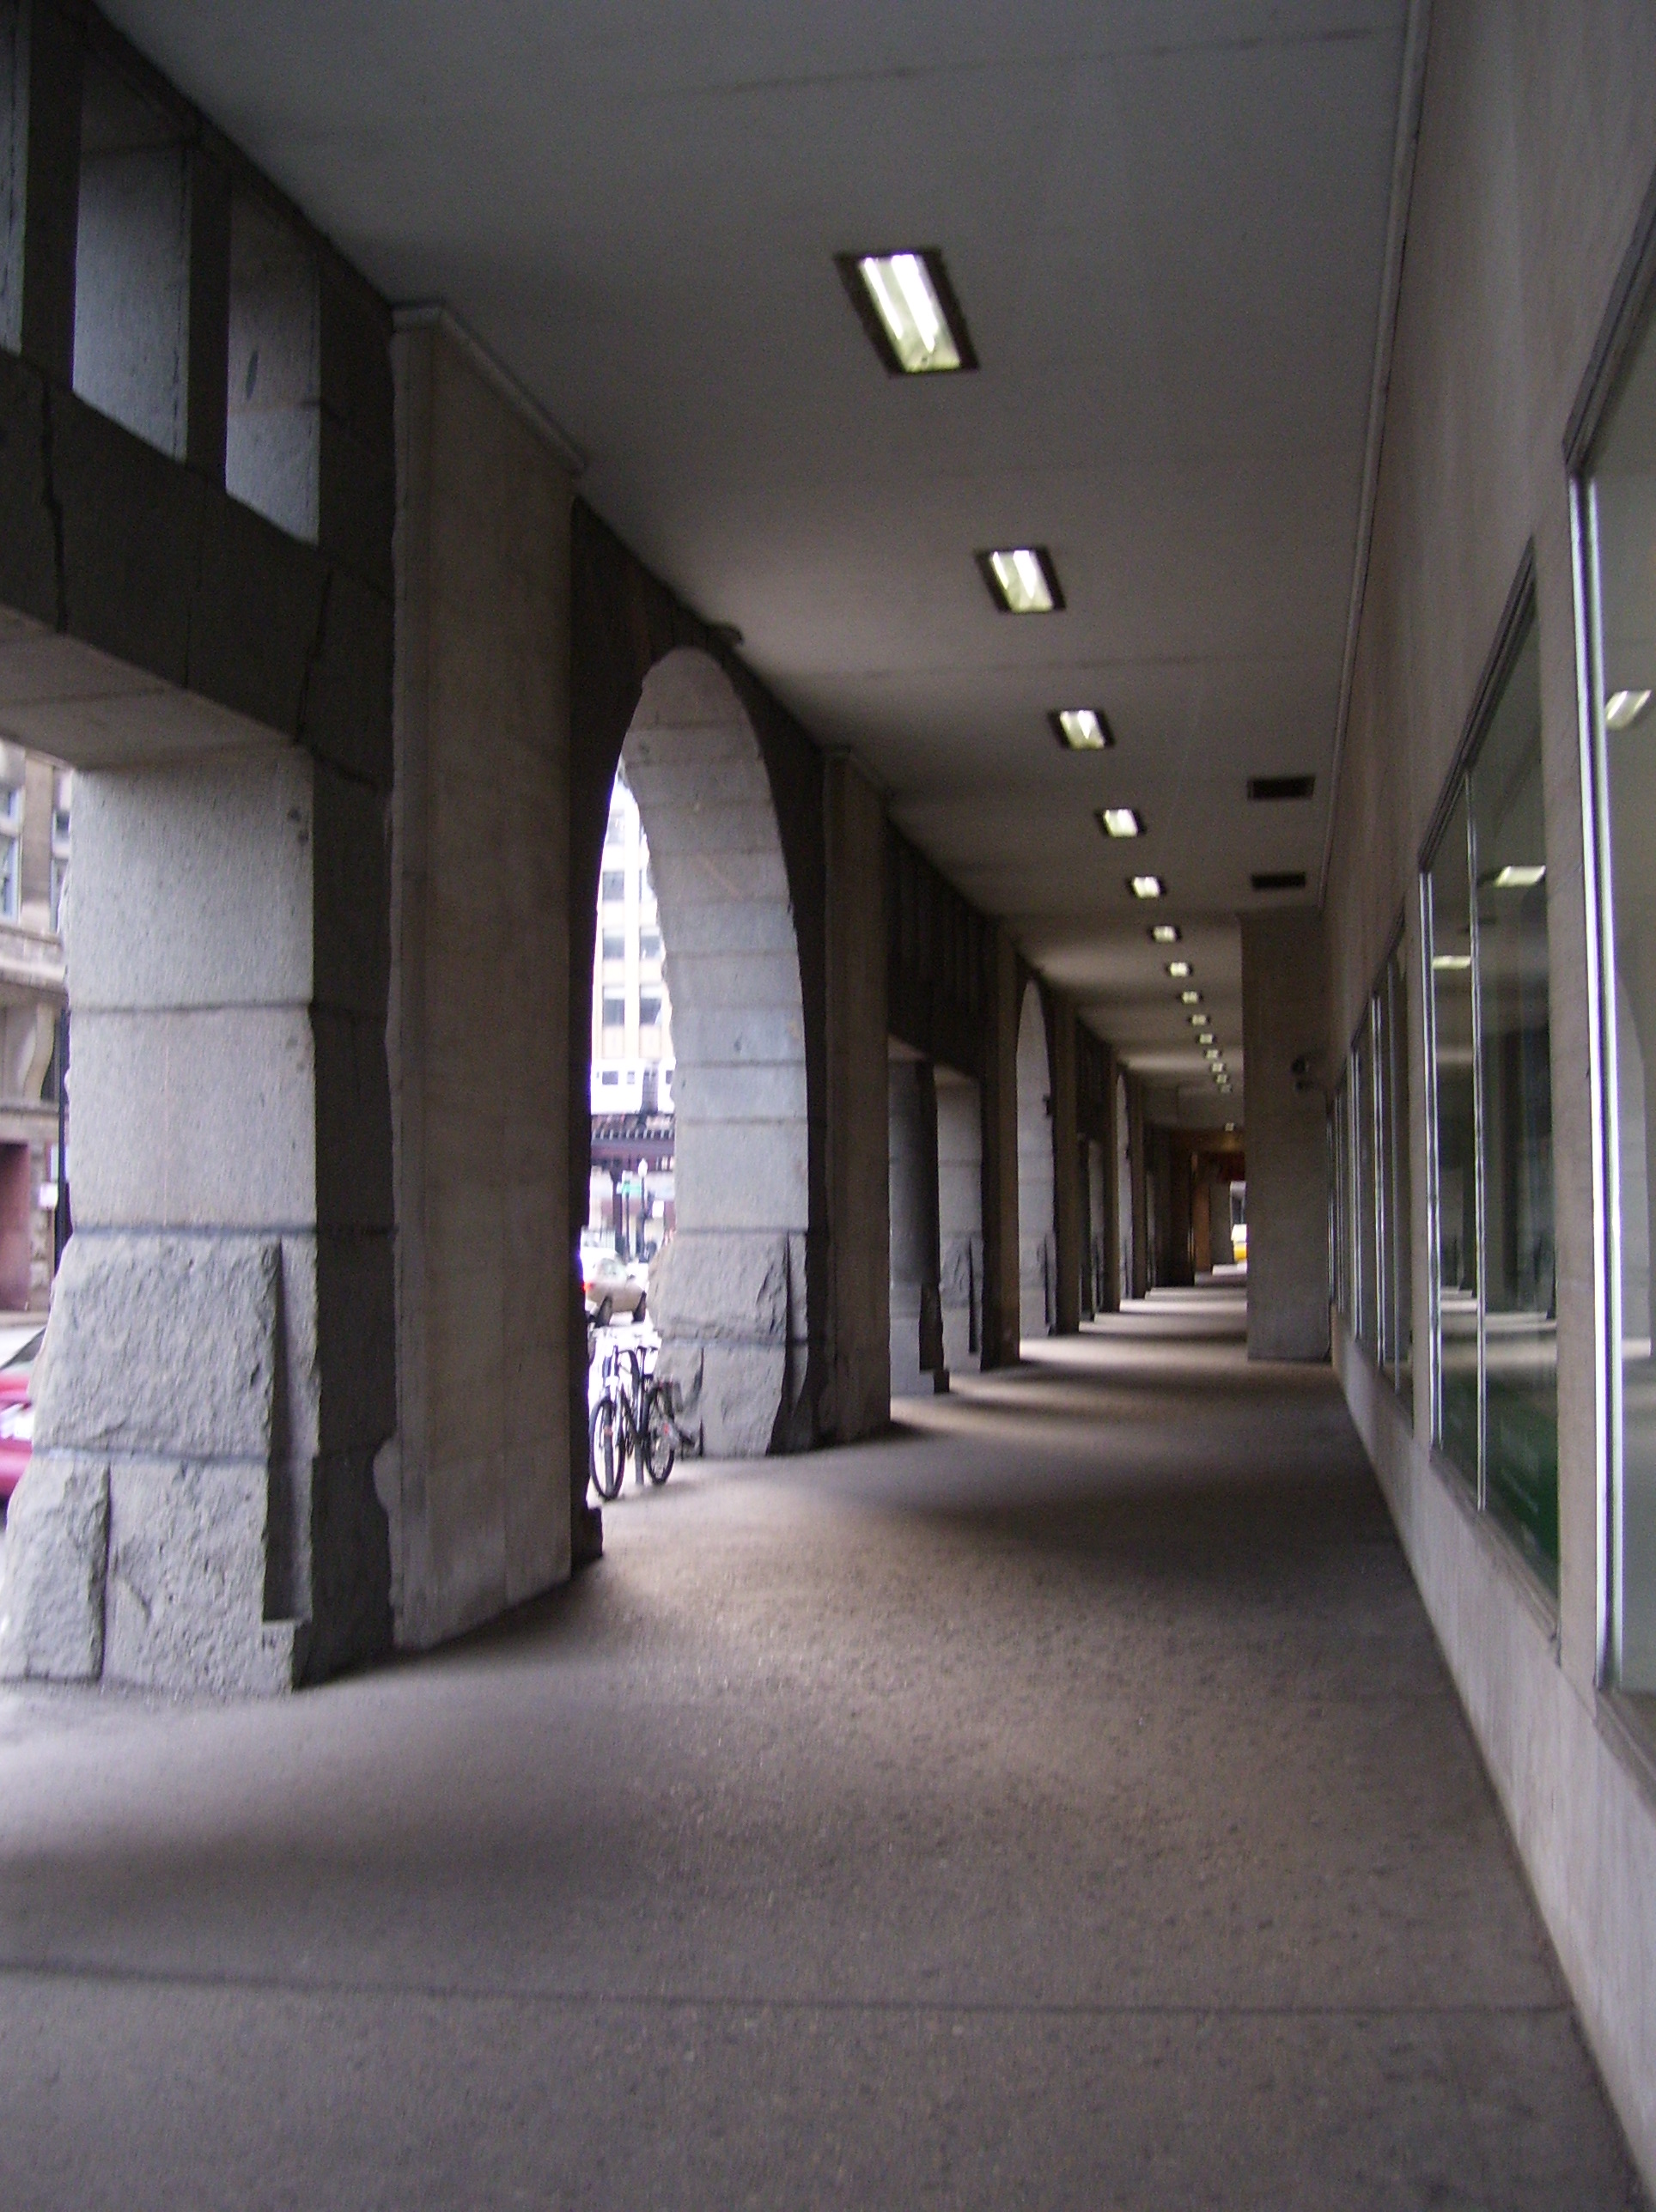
x,y
727,1288
1037,1235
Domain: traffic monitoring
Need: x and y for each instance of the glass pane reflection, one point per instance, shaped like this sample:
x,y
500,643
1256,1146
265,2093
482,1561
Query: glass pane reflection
x,y
1457,1316
1520,1306
1623,517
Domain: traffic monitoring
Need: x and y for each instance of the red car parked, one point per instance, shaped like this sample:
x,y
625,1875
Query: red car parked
x,y
16,1427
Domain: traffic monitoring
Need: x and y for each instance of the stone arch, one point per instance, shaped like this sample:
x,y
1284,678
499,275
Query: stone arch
x,y
1037,1227
729,1291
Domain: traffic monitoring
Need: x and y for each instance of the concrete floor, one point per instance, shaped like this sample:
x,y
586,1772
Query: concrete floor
x,y
1062,1804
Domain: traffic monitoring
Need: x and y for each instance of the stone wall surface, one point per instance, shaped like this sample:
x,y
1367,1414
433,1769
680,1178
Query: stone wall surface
x,y
1283,1022
1536,148
476,1481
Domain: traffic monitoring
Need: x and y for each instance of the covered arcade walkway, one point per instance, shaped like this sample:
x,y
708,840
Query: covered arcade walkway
x,y
1061,1803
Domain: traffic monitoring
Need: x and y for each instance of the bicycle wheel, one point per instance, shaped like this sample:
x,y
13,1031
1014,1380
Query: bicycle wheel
x,y
609,1449
661,1433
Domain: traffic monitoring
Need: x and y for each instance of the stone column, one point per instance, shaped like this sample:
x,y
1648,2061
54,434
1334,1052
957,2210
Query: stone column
x,y
1138,1179
917,1325
1036,1245
858,1106
478,1479
1069,1215
218,1370
999,1106
960,1219
1283,1018
730,1290
1107,1219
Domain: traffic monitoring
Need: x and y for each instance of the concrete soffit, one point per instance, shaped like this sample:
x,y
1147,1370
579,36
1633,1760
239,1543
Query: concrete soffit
x,y
437,314
1410,94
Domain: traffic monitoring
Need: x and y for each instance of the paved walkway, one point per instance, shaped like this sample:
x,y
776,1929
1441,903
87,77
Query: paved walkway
x,y
1062,1804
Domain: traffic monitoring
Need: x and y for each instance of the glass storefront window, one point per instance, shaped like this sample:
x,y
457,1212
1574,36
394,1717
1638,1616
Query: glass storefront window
x,y
1621,537
1520,1276
1493,1267
1343,1270
1365,1241
1374,1239
1454,1164
1397,1198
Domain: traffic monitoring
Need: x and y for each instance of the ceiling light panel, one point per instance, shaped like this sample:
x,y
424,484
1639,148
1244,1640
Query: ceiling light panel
x,y
1081,729
1121,821
1147,887
1022,580
907,305
1177,968
1164,932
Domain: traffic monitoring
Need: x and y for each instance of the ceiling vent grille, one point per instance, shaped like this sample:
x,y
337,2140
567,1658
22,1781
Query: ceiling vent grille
x,y
1280,879
1281,787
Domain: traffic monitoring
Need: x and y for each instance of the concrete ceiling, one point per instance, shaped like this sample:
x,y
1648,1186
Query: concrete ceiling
x,y
1166,222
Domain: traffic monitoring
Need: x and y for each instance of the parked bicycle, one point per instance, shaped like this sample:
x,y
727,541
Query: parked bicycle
x,y
632,1419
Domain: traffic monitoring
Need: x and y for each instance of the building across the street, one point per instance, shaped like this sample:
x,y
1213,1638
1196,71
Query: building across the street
x,y
631,1088
35,802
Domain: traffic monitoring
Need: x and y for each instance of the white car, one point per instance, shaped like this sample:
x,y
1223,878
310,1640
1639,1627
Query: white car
x,y
610,1287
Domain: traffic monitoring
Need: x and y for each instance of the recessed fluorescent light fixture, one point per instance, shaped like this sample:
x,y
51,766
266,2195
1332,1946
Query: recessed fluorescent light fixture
x,y
1524,877
1623,708
1082,729
907,305
1190,998
1021,580
1200,1022
1451,962
1164,932
1206,1037
1121,821
1147,887
1176,967
1263,787
1280,879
